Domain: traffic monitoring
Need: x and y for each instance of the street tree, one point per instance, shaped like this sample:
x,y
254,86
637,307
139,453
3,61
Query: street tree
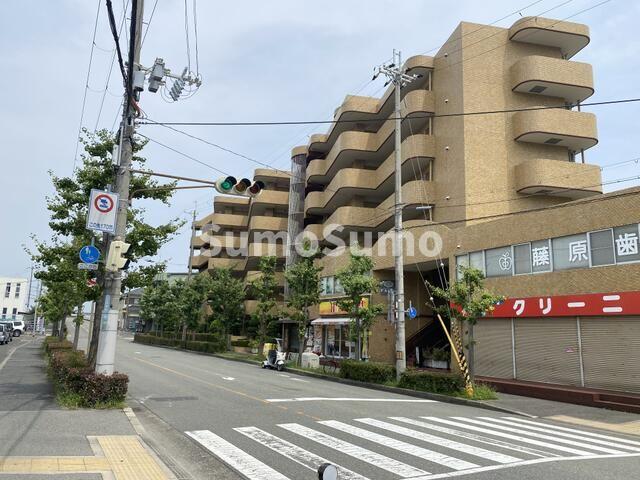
x,y
357,281
160,307
225,300
192,295
69,204
265,290
303,279
464,302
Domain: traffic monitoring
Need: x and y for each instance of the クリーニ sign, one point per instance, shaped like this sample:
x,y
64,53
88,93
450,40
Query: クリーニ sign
x,y
103,207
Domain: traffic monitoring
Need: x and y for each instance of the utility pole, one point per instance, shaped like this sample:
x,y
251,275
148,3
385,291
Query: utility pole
x,y
109,321
396,74
190,264
29,295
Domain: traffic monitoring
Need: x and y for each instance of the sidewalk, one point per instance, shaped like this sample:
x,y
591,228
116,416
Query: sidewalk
x,y
38,437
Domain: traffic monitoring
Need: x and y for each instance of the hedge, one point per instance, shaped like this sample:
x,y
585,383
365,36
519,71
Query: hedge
x,y
435,382
71,374
216,345
371,372
52,344
241,343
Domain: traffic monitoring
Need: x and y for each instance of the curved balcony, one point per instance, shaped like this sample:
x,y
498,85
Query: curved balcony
x,y
250,306
372,183
271,224
229,220
222,201
270,174
237,264
372,110
271,198
254,275
225,241
565,128
198,261
200,241
414,193
257,250
558,178
204,221
569,37
553,77
371,146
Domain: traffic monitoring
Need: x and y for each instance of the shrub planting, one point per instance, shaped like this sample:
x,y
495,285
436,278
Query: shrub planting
x,y
371,372
435,382
78,386
213,344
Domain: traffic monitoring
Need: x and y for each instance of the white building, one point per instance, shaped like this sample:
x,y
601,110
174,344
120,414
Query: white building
x,y
13,297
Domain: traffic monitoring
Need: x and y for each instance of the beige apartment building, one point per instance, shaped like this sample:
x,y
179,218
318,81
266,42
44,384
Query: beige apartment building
x,y
511,193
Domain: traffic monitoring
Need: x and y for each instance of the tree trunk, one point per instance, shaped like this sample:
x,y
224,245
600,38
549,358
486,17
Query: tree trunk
x,y
358,341
54,329
184,332
302,340
76,336
471,350
61,334
95,333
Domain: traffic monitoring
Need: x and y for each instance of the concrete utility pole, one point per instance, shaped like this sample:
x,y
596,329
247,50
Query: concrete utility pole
x,y
109,321
397,75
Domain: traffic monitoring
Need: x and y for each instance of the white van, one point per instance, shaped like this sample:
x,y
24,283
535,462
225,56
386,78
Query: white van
x,y
18,328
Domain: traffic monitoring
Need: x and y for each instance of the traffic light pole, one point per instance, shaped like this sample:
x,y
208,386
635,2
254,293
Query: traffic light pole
x,y
109,320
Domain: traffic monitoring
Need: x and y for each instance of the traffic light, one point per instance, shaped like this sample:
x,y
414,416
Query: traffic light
x,y
244,187
115,258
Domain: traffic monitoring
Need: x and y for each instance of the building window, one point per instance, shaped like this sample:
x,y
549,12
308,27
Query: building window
x,y
330,286
498,262
601,244
540,256
14,312
7,290
522,259
570,252
4,312
476,260
627,243
461,261
17,294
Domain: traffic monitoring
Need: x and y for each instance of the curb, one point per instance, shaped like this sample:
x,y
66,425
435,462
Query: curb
x,y
372,386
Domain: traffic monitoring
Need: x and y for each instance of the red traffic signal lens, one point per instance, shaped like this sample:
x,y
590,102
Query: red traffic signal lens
x,y
256,188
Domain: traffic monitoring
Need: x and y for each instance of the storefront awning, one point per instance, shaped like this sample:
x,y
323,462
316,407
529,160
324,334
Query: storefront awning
x,y
331,321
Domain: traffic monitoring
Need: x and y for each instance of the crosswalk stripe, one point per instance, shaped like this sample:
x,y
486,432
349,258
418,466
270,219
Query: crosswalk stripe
x,y
541,428
416,451
574,430
444,442
372,458
250,467
517,438
539,435
478,438
295,453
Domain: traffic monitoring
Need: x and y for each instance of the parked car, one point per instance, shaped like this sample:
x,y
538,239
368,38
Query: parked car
x,y
18,328
4,335
8,325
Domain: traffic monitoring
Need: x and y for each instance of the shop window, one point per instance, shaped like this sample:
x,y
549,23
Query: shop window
x,y
540,256
570,252
498,262
522,259
476,260
601,244
627,243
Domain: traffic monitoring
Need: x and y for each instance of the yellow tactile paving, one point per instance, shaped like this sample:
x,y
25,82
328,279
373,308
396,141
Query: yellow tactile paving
x,y
125,456
632,428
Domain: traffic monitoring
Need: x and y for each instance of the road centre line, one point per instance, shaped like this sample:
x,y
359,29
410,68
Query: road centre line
x,y
347,399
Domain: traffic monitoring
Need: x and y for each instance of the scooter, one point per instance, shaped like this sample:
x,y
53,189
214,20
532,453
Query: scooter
x,y
275,358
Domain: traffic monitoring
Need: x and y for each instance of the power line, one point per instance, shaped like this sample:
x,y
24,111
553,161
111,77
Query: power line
x,y
153,10
186,34
195,34
114,33
86,84
566,106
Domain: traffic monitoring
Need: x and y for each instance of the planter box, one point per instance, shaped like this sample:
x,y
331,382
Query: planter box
x,y
443,364
242,349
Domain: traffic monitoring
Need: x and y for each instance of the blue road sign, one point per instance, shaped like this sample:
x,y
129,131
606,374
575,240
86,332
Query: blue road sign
x,y
89,254
413,313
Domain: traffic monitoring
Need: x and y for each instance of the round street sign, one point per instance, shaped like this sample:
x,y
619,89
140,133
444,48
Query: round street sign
x,y
89,254
413,313
103,203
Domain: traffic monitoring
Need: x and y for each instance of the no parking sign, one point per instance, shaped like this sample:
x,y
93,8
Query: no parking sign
x,y
103,207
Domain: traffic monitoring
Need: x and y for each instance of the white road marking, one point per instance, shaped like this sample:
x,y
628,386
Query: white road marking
x,y
372,458
416,451
444,442
541,428
344,399
228,378
517,438
574,430
477,438
138,353
519,464
295,453
299,380
250,467
283,375
539,435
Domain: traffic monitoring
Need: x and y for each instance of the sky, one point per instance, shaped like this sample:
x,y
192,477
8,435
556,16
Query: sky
x,y
260,61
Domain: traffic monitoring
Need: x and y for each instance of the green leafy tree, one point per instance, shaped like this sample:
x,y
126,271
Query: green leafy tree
x,y
303,279
357,281
464,302
225,300
193,295
69,204
160,307
265,289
